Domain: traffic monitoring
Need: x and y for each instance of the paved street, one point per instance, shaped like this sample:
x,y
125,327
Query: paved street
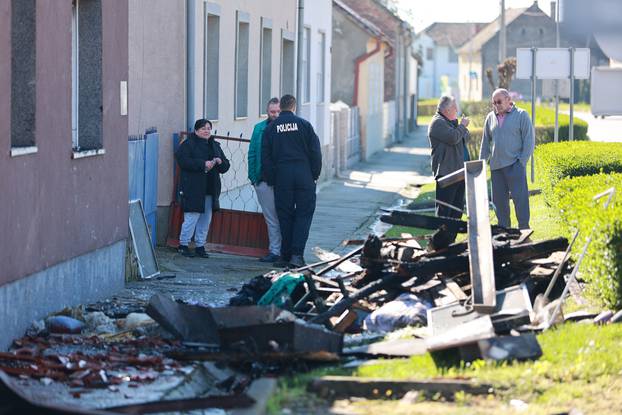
x,y
346,208
608,129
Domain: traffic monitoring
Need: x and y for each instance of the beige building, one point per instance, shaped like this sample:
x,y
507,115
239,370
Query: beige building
x,y
220,60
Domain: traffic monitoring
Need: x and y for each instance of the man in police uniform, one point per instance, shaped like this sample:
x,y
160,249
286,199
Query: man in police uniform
x,y
291,162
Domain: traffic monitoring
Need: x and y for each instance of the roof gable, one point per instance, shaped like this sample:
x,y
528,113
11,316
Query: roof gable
x,y
453,35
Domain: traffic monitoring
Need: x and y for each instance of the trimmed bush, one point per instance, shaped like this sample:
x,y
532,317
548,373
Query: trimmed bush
x,y
545,122
556,161
602,266
427,106
544,134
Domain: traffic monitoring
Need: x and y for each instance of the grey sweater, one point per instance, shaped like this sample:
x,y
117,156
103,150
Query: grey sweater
x,y
513,141
447,140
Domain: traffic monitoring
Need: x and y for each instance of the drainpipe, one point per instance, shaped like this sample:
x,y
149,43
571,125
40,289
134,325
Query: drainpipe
x,y
406,97
396,85
299,57
190,60
357,67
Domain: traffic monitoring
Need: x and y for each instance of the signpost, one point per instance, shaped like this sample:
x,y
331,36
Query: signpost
x,y
552,63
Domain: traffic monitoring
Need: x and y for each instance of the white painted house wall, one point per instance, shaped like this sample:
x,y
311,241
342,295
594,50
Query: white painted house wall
x,y
435,68
316,107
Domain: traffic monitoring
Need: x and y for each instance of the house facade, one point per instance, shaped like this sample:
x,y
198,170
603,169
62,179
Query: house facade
x,y
314,105
63,170
359,50
525,27
438,45
397,100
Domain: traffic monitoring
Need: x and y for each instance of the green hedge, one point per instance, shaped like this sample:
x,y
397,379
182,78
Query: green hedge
x,y
545,122
544,134
602,266
470,108
556,161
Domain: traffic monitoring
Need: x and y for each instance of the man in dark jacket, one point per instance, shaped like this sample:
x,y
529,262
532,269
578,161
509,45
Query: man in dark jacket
x,y
201,161
448,139
291,162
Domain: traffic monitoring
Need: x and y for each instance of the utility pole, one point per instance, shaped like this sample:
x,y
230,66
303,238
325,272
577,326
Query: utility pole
x,y
502,41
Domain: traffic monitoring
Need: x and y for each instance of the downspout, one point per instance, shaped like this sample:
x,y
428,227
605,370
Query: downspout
x,y
357,67
190,60
396,86
406,97
299,57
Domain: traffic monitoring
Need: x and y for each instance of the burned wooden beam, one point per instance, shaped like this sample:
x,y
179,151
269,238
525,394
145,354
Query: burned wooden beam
x,y
339,261
426,268
416,220
345,386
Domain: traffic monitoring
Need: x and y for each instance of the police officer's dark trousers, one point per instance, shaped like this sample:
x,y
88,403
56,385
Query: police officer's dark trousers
x,y
294,197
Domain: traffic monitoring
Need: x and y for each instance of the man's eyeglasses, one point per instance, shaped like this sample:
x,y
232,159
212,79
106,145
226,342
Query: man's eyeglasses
x,y
497,102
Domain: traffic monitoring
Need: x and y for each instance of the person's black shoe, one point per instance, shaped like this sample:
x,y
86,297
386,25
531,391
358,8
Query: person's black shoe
x,y
185,251
297,261
269,258
200,252
280,262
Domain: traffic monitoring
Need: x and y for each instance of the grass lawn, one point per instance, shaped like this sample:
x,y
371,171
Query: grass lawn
x,y
580,107
579,369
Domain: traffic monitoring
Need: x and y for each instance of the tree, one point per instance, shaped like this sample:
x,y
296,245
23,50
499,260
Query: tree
x,y
506,71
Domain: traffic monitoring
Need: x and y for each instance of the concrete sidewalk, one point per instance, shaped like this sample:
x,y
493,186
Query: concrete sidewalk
x,y
346,208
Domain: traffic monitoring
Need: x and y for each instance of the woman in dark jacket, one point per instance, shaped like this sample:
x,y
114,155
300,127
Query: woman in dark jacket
x,y
202,161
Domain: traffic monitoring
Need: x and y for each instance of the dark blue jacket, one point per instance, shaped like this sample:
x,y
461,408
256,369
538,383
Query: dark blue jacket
x,y
290,139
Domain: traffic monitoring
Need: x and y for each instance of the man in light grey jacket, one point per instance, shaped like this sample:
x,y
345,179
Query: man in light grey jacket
x,y
508,141
448,142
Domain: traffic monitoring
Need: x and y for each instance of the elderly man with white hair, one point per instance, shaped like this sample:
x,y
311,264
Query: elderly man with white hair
x,y
448,139
508,141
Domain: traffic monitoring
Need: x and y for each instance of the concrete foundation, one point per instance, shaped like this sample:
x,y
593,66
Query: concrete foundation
x,y
83,279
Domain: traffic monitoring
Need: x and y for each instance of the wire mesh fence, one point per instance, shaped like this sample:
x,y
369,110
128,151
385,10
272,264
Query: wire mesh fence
x,y
237,192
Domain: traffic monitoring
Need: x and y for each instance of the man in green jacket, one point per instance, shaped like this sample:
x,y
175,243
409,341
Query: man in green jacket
x,y
265,193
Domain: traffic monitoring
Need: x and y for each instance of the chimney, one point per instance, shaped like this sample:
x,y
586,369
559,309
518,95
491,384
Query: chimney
x,y
553,6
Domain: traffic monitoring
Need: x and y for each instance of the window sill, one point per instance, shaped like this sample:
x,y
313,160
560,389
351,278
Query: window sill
x,y
87,153
23,151
240,118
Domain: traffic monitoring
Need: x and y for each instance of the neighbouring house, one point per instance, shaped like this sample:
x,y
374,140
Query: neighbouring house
x,y
314,105
437,45
358,64
525,27
397,107
64,167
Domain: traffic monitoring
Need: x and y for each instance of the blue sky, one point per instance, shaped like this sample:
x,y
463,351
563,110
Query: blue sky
x,y
422,13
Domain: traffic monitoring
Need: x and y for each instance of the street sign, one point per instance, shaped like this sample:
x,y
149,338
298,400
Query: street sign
x,y
553,63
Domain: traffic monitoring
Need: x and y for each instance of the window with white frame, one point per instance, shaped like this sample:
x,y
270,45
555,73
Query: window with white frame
x,y
86,75
265,81
321,75
306,65
241,65
211,61
287,64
